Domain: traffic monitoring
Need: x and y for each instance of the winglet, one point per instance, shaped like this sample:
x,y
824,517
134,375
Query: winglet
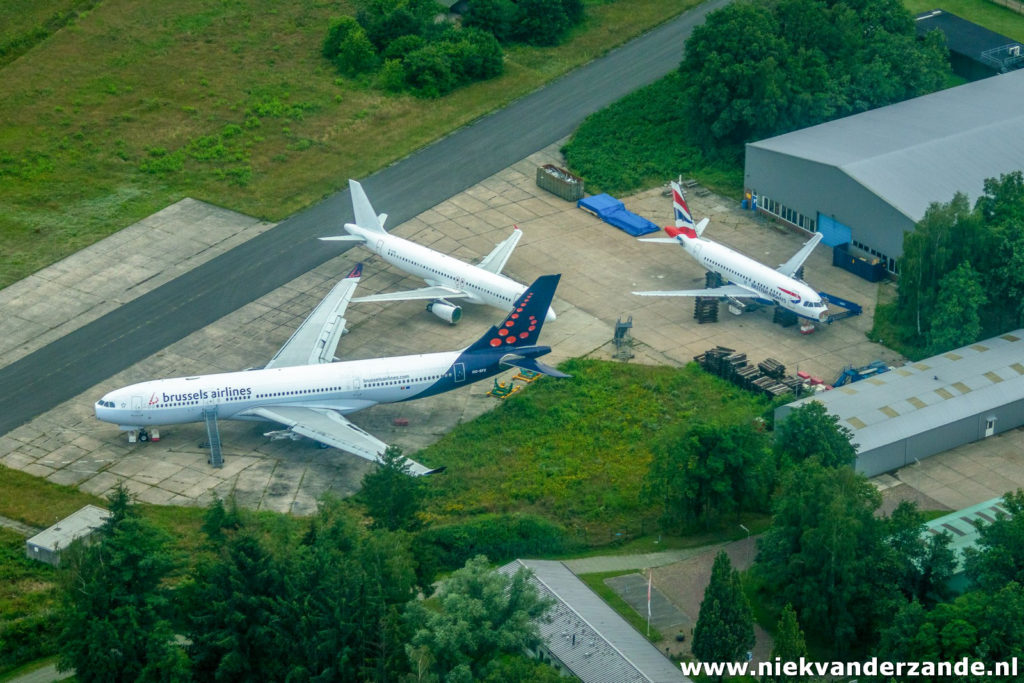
x,y
355,273
365,216
521,327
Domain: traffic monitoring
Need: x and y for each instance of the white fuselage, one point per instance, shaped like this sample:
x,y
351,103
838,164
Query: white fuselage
x,y
437,269
344,387
766,283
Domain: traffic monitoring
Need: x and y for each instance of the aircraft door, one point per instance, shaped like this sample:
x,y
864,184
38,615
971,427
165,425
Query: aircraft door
x,y
136,404
357,386
460,372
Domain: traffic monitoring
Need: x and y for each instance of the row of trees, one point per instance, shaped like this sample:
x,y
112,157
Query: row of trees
x,y
704,472
754,70
410,50
330,600
861,582
962,270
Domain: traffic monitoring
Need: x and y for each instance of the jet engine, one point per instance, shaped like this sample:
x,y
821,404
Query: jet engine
x,y
450,313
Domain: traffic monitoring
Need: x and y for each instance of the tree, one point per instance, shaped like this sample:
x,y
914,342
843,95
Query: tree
x,y
789,645
114,607
825,554
977,625
393,497
540,22
725,628
998,557
480,615
811,431
497,17
922,563
755,70
706,471
957,318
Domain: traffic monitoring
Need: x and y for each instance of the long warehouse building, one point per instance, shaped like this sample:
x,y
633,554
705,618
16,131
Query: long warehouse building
x,y
867,179
930,406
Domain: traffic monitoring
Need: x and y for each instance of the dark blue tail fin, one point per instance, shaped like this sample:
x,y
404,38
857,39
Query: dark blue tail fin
x,y
522,326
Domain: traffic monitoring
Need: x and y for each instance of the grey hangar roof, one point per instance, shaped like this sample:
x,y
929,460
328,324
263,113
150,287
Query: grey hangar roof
x,y
588,636
922,150
929,394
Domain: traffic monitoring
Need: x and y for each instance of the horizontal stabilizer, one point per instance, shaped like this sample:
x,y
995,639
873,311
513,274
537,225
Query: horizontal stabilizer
x,y
534,365
725,290
659,240
414,294
342,238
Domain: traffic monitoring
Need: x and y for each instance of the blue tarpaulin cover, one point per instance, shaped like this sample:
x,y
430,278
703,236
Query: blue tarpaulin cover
x,y
611,210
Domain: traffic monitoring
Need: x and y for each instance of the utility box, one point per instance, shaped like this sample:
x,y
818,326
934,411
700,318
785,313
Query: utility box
x,y
47,545
560,182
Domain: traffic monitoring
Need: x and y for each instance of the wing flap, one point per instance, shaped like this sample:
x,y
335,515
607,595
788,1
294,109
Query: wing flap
x,y
413,294
316,339
724,290
496,260
333,429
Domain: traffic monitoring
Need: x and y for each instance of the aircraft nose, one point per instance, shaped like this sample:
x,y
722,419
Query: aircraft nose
x,y
550,316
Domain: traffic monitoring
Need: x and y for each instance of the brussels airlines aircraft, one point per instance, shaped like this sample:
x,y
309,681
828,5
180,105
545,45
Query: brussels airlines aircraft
x,y
747,278
303,390
446,277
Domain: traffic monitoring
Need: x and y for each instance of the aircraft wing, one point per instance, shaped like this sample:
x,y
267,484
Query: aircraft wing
x,y
724,290
412,294
316,339
790,267
496,260
331,428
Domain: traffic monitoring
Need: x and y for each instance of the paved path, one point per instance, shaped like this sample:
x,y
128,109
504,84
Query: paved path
x,y
23,529
151,322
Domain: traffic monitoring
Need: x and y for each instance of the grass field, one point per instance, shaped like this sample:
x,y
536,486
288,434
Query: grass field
x,y
132,106
576,451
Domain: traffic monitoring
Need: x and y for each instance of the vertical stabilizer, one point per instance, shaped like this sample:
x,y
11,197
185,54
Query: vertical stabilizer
x,y
522,326
365,216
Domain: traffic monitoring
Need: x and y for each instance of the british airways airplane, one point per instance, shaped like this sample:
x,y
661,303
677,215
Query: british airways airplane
x,y
302,389
747,278
446,277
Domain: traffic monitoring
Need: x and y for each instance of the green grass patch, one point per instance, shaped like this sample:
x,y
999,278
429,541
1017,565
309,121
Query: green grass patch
x,y
133,106
981,12
596,583
575,450
641,141
37,502
28,596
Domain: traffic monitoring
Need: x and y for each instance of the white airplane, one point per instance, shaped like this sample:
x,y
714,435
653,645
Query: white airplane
x,y
446,277
302,389
747,278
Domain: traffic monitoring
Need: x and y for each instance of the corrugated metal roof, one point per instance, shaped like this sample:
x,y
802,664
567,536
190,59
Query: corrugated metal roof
x,y
930,393
588,636
925,149
75,525
962,526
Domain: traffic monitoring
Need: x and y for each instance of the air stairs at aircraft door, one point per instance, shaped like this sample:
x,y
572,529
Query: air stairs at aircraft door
x,y
213,437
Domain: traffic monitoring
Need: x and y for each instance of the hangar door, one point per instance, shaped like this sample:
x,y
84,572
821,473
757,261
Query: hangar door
x,y
834,233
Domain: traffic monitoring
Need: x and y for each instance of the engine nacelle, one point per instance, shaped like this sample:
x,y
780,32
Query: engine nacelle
x,y
450,313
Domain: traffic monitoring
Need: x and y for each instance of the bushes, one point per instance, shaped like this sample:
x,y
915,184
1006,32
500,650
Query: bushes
x,y
430,59
499,537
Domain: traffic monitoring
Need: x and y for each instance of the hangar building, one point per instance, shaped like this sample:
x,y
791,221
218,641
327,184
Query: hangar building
x,y
867,179
930,406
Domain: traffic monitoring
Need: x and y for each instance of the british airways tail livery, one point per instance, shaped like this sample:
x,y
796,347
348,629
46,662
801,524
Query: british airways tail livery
x,y
303,390
447,278
746,277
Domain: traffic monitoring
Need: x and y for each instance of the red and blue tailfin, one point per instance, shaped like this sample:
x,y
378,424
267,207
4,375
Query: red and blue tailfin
x,y
684,219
